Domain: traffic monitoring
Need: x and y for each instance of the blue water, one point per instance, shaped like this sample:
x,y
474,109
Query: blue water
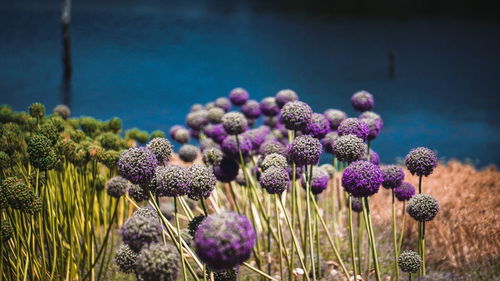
x,y
149,65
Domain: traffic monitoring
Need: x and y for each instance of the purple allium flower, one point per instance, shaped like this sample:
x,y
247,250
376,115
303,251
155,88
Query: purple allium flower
x,y
269,107
208,143
362,101
218,134
212,156
317,127
393,176
181,135
201,181
226,170
209,105
374,122
374,157
158,262
230,146
223,103
224,240
319,181
138,231
329,169
214,115
409,261
171,180
272,146
422,207
404,192
161,148
349,148
296,115
334,117
188,153
174,129
353,126
251,109
197,119
304,150
421,161
238,96
196,107
273,160
257,136
362,179
285,96
137,193
275,180
137,165
117,186
329,140
356,204
125,259
234,123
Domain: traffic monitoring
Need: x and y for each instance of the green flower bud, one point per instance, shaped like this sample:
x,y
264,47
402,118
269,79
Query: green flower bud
x,y
41,153
37,110
6,231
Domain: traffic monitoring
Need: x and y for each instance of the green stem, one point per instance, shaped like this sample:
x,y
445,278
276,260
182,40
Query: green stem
x,y
369,227
278,224
351,237
179,234
395,236
309,223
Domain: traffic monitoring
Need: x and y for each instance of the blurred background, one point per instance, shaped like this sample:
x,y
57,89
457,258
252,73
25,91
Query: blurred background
x,y
432,65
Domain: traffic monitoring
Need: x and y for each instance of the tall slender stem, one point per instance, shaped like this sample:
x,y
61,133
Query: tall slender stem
x,y
369,227
395,236
351,237
309,222
179,236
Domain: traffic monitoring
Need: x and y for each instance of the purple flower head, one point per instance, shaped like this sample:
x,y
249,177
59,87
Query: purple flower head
x,y
181,135
356,204
393,176
224,240
349,148
257,136
174,129
285,96
362,101
125,259
296,115
304,150
214,115
269,107
272,146
171,181
374,122
234,123
275,180
223,103
421,161
195,134
201,181
251,109
404,192
353,126
196,107
238,96
230,146
137,193
158,262
374,157
317,127
319,181
226,170
362,179
117,186
329,140
218,134
334,117
138,231
422,207
137,165
188,153
197,119
273,160
161,148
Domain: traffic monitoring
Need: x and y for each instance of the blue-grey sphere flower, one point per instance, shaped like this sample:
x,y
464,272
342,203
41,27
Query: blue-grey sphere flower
x,y
251,109
224,240
423,207
269,107
125,259
304,150
161,148
353,126
296,115
409,261
374,122
158,262
285,96
230,146
62,110
138,231
226,170
201,181
273,160
404,192
393,176
181,135
117,186
137,165
214,115
349,148
275,180
272,146
362,179
238,96
318,126
319,180
362,101
171,181
223,103
334,117
421,161
188,153
197,119
212,156
234,123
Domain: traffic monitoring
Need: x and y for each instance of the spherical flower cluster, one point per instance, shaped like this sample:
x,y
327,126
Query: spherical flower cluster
x,y
137,193
275,180
234,123
158,262
362,101
251,109
208,143
393,176
318,126
147,211
409,261
404,192
37,110
201,181
269,107
138,231
196,107
41,153
329,140
257,136
238,96
181,135
223,103
273,160
161,148
230,274
197,119
171,181
374,122
215,115
296,115
421,161
356,204
217,133
349,148
62,110
329,169
6,231
272,146
230,146
19,196
319,180
304,150
224,240
117,186
423,207
362,179
285,96
212,156
226,170
194,223
137,165
374,157
353,126
125,259
188,153
334,117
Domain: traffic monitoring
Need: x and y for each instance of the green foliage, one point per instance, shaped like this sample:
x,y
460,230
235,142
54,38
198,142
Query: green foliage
x,y
37,110
137,135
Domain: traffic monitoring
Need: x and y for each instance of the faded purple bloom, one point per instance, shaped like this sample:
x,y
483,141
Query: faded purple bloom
x,y
356,204
304,150
349,148
393,176
296,115
353,126
226,170
319,180
257,136
272,146
318,126
223,103
181,135
171,181
421,161
196,107
174,129
117,186
334,117
273,160
214,115
201,181
188,153
362,179
230,147
374,157
158,262
269,107
404,192
138,231
137,165
285,96
234,123
208,143
329,140
275,180
423,207
251,109
362,101
197,119
161,148
374,122
238,96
